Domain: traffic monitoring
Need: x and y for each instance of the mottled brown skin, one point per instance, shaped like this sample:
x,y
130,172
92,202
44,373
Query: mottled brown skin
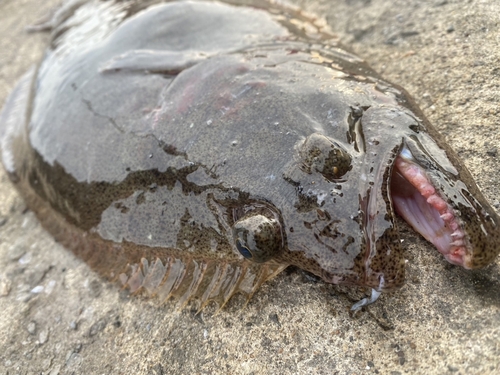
x,y
197,149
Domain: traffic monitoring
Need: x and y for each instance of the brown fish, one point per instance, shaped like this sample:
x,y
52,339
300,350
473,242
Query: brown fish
x,y
196,149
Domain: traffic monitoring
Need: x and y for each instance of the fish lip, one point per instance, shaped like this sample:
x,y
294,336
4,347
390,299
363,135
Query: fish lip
x,y
423,207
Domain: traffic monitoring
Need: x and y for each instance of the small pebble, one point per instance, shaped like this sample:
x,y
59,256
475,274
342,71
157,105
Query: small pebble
x,y
5,287
37,289
24,297
31,328
50,286
492,152
16,250
25,259
43,336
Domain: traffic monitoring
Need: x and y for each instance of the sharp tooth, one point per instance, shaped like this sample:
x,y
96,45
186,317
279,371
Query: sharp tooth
x,y
436,202
457,243
406,153
447,216
457,235
458,252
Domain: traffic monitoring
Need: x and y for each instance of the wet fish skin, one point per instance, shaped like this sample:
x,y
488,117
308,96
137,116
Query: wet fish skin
x,y
198,158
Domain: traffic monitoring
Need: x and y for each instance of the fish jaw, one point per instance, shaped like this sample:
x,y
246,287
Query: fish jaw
x,y
423,208
445,213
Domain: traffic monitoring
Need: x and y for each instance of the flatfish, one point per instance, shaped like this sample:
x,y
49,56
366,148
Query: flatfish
x,y
195,149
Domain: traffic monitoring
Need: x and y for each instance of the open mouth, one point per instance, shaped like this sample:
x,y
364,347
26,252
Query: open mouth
x,y
420,204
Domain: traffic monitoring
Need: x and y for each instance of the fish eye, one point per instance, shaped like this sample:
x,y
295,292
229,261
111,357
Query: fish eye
x,y
258,238
323,155
243,250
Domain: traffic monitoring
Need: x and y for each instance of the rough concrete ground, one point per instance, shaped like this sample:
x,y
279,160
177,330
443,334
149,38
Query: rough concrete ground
x,y
444,320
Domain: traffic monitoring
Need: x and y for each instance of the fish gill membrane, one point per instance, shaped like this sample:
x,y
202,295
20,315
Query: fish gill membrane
x,y
196,149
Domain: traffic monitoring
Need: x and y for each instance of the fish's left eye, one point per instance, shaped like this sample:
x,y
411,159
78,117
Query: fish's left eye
x,y
258,238
243,250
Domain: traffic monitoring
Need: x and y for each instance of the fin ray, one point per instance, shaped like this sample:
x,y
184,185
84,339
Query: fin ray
x,y
185,279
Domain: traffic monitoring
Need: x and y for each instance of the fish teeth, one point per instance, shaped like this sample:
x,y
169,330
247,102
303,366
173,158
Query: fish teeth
x,y
446,216
436,202
406,153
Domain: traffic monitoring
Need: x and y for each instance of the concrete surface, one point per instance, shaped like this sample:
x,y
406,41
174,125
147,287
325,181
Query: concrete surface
x,y
445,320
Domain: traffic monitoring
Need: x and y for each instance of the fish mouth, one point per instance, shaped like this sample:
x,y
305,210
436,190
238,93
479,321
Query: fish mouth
x,y
421,205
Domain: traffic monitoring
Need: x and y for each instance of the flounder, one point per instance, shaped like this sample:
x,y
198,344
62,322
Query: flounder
x,y
196,149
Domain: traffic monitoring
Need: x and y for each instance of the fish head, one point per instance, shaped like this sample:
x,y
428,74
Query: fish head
x,y
340,221
335,218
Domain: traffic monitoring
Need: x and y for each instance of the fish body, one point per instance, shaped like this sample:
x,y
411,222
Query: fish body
x,y
196,149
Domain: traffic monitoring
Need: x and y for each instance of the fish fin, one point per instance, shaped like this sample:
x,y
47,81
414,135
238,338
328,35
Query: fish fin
x,y
204,280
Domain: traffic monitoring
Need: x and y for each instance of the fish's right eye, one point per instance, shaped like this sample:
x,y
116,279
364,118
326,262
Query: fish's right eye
x,y
323,155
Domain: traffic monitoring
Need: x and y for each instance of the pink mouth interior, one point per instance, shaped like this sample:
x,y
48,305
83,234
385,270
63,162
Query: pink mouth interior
x,y
421,206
